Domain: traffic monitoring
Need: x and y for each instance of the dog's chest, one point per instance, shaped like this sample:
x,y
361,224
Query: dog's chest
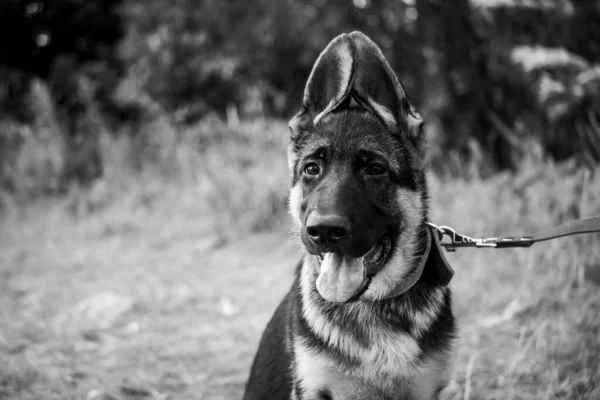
x,y
319,377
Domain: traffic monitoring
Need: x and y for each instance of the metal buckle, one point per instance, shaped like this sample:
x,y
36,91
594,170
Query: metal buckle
x,y
459,240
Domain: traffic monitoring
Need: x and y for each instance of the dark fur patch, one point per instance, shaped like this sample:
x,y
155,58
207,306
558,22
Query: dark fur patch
x,y
442,332
270,376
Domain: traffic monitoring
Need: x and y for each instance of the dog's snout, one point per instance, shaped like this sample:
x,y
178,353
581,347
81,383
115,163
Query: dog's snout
x,y
327,230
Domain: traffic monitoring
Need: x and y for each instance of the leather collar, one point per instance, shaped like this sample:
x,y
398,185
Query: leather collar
x,y
433,268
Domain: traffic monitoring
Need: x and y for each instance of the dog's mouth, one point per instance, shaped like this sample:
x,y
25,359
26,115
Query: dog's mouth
x,y
344,278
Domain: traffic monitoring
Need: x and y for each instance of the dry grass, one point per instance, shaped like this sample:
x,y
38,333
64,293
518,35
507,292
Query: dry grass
x,y
161,288
529,317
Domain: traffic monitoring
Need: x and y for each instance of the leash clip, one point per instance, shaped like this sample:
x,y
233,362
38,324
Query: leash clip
x,y
459,240
589,225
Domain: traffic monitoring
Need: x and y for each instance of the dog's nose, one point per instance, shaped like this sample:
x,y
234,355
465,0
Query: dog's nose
x,y
327,230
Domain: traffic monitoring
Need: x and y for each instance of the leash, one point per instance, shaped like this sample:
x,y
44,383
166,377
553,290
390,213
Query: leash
x,y
458,240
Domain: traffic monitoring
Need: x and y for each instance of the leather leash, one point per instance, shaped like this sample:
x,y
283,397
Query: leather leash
x,y
458,240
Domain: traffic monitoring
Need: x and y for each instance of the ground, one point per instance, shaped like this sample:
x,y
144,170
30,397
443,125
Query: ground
x,y
157,300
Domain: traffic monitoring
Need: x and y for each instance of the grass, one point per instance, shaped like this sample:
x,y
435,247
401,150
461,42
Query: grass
x,y
162,288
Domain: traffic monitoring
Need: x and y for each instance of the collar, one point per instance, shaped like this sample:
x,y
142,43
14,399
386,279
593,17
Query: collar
x,y
433,268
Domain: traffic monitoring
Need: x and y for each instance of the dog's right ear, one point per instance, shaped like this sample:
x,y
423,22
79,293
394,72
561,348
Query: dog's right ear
x,y
328,85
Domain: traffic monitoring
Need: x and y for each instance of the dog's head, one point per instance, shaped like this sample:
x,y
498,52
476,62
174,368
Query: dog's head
x,y
358,199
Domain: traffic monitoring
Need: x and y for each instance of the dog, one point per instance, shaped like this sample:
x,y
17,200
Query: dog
x,y
369,313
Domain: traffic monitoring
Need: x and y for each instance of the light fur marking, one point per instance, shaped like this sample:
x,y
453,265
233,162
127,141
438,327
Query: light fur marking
x,y
294,203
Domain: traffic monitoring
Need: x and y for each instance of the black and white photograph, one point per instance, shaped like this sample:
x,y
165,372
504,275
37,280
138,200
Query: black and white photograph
x,y
299,200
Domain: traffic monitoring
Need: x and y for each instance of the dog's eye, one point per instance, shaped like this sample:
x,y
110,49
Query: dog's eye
x,y
312,169
375,169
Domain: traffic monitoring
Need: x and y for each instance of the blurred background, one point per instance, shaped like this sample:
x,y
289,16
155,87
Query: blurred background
x,y
143,184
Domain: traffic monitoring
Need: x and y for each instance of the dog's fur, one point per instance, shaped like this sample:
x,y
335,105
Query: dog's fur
x,y
369,313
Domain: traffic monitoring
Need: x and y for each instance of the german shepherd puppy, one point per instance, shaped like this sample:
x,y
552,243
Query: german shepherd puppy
x,y
369,313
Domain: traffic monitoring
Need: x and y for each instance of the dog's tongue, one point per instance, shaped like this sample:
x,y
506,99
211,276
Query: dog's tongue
x,y
340,277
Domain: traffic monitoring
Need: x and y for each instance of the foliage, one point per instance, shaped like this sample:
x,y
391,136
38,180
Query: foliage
x,y
455,58
499,82
201,56
537,53
38,31
57,68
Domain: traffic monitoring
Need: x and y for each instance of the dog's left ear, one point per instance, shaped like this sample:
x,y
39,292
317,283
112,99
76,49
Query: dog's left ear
x,y
377,88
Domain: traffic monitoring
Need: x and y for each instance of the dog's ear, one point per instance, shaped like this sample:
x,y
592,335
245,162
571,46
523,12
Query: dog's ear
x,y
353,68
328,85
376,87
